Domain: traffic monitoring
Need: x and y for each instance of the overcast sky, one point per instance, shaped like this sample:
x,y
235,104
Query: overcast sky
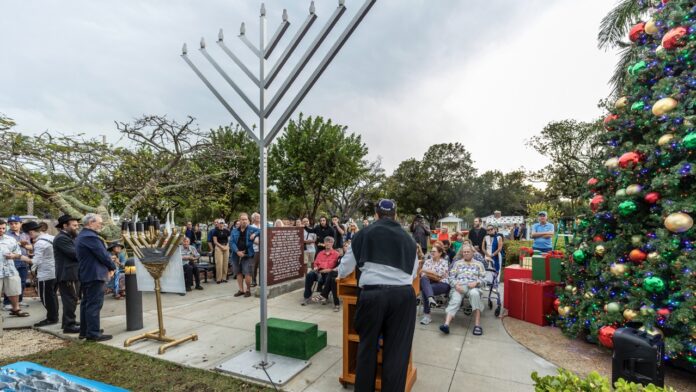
x,y
489,74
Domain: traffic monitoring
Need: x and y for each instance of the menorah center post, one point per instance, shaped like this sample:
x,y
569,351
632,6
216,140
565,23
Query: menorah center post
x,y
263,175
158,299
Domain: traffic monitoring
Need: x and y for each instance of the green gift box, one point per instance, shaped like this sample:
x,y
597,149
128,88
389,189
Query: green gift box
x,y
547,267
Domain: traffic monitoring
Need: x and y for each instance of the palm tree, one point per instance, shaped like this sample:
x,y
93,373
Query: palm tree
x,y
612,34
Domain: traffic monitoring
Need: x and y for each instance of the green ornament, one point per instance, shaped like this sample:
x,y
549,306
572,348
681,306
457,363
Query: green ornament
x,y
584,223
627,207
654,284
636,240
689,141
579,255
637,67
638,105
613,307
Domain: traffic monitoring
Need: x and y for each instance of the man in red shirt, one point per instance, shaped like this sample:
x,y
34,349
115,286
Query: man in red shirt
x,y
324,264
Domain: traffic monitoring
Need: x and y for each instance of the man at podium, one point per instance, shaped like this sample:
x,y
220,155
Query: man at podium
x,y
387,259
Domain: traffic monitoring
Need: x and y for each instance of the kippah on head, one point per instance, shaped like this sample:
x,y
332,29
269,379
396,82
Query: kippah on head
x,y
386,207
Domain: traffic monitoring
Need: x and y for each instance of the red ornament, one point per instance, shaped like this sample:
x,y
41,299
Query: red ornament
x,y
652,197
606,336
608,119
629,159
556,304
636,31
673,37
592,182
596,202
664,312
637,256
598,238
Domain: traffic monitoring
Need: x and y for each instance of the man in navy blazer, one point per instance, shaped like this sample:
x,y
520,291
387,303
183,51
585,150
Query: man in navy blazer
x,y
96,268
242,252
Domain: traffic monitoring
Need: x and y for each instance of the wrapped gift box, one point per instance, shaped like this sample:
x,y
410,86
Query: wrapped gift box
x,y
513,271
525,252
515,294
547,267
538,301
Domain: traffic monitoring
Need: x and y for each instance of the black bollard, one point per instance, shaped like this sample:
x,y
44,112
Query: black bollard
x,y
134,299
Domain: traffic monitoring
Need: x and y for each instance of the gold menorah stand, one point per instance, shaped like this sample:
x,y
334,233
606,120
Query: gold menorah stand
x,y
156,268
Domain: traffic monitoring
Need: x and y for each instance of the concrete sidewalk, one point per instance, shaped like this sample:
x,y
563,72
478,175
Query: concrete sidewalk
x,y
225,326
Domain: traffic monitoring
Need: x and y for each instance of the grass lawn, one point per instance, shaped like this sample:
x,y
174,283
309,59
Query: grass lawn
x,y
132,371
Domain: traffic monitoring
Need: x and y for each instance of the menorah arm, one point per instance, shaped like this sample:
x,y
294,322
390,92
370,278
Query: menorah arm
x,y
280,32
239,63
320,69
290,49
230,81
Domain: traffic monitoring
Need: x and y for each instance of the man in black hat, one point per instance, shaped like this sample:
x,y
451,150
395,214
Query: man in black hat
x,y
420,232
386,256
67,271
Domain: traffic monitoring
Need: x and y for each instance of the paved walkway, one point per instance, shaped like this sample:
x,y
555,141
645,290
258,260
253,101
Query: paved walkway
x,y
225,326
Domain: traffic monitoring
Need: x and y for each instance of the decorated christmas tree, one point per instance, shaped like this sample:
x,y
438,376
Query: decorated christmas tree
x,y
634,262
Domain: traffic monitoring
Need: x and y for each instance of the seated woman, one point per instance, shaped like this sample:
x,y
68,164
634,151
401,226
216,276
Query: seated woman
x,y
433,280
465,278
324,264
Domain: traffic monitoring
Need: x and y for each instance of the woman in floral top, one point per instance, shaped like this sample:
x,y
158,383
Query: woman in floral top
x,y
436,267
465,277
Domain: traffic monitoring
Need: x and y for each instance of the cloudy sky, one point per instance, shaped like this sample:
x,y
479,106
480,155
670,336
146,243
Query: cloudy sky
x,y
489,74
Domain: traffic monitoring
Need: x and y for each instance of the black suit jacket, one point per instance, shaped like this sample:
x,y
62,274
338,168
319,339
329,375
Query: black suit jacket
x,y
67,266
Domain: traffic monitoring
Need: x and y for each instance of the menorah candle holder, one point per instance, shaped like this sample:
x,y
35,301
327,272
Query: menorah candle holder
x,y
154,249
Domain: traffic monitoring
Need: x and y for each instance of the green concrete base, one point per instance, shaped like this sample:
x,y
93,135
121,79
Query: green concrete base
x,y
294,339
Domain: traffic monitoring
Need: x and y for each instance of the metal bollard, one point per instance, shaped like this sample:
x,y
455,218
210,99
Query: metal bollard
x,y
134,299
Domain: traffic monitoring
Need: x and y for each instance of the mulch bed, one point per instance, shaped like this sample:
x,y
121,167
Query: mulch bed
x,y
578,356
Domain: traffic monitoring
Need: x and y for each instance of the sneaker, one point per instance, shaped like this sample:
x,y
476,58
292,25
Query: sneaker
x,y
7,307
445,329
306,301
336,308
426,320
432,302
23,304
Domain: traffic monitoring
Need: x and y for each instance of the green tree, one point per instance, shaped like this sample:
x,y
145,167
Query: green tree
x,y
508,192
313,157
437,184
612,35
574,149
634,248
351,200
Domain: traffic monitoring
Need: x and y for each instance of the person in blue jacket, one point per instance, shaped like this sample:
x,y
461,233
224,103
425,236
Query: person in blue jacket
x,y
95,269
242,252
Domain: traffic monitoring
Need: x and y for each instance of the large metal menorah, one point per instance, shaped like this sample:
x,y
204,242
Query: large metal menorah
x,y
264,109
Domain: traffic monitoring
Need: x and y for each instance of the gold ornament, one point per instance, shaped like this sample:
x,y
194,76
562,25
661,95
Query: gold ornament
x,y
664,105
630,314
650,27
612,163
620,192
665,139
563,310
588,295
633,189
693,332
651,331
618,269
599,250
621,103
678,222
653,257
636,240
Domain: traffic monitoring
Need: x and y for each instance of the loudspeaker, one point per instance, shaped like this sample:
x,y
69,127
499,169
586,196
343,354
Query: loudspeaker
x,y
637,357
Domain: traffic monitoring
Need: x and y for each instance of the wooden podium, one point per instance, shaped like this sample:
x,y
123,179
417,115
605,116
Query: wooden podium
x,y
348,292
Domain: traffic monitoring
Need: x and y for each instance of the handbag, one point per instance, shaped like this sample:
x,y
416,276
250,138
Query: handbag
x,y
432,276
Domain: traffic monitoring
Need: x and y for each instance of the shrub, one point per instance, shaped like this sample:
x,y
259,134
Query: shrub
x,y
511,249
567,381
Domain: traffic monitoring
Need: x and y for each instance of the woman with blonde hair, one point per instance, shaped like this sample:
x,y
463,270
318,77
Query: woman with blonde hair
x,y
352,230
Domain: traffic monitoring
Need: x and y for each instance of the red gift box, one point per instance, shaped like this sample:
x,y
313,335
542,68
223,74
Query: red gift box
x,y
514,272
515,297
538,301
